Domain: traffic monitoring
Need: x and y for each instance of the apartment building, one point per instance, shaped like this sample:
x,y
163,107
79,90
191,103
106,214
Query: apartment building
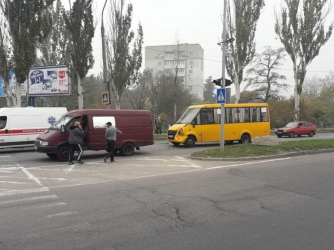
x,y
187,58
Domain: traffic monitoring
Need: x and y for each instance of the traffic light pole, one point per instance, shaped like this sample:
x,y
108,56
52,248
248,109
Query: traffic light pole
x,y
222,119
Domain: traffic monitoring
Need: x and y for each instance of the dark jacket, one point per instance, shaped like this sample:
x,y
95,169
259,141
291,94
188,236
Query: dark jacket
x,y
76,135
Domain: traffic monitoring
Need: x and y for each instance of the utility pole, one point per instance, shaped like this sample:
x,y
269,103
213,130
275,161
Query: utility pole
x,y
222,118
104,53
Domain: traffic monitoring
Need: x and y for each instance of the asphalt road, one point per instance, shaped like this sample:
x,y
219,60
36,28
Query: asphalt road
x,y
159,199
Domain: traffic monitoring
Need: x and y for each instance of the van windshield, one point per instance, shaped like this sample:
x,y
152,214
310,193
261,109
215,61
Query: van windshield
x,y
188,116
62,121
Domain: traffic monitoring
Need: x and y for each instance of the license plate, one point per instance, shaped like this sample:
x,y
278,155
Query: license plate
x,y
170,136
279,132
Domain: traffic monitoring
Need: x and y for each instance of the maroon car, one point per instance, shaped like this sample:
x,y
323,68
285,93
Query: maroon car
x,y
297,128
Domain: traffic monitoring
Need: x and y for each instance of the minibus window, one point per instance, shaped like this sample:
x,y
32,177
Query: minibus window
x,y
188,116
3,122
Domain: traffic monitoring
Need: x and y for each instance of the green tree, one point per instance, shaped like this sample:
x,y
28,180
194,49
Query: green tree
x,y
263,77
241,25
28,24
123,64
209,91
302,32
79,23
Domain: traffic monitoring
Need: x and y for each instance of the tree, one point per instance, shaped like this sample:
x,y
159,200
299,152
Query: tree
x,y
28,25
263,76
137,94
4,62
123,65
241,26
209,91
79,23
301,31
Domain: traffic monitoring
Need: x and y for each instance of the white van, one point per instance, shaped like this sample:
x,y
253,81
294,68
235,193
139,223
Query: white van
x,y
19,127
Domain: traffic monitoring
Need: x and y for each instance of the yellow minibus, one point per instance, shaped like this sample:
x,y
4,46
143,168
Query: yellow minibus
x,y
201,123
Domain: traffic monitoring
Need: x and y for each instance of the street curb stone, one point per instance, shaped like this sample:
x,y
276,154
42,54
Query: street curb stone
x,y
266,157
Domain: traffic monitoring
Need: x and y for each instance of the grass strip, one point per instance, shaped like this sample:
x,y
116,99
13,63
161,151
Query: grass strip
x,y
249,150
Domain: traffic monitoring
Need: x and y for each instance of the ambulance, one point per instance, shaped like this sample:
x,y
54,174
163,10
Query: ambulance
x,y
19,127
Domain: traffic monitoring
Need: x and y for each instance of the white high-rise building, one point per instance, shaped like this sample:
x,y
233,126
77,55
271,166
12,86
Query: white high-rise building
x,y
187,58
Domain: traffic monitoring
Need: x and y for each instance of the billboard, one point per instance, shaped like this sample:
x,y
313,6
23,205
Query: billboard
x,y
48,81
12,84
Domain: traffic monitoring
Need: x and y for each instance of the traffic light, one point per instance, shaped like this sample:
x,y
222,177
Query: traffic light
x,y
218,82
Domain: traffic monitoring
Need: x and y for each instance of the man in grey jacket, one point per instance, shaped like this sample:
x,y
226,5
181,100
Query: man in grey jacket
x,y
111,140
76,141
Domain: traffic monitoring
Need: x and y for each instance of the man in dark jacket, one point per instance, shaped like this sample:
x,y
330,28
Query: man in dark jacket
x,y
76,141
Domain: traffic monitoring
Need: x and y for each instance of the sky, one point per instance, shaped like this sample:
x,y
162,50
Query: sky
x,y
199,21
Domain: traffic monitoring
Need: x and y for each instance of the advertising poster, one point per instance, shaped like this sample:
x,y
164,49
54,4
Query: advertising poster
x,y
48,81
12,84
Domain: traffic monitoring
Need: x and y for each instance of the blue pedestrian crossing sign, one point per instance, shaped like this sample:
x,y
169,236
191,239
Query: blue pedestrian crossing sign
x,y
221,96
105,98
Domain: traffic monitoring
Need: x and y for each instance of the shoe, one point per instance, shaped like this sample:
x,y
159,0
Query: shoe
x,y
105,159
80,162
71,163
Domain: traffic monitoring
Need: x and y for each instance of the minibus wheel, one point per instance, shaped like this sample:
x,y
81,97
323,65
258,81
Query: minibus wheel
x,y
63,153
127,149
190,142
245,138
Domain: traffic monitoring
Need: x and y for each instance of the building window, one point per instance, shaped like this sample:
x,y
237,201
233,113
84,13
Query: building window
x,y
191,63
159,63
190,87
190,71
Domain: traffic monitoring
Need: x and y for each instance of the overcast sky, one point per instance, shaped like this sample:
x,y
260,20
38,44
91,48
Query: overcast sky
x,y
199,21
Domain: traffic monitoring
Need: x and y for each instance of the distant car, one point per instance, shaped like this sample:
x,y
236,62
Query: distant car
x,y
297,128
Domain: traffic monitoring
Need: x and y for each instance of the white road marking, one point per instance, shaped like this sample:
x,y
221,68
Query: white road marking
x,y
61,214
5,171
45,206
14,182
11,165
26,191
182,159
4,156
176,166
70,168
24,170
249,163
53,179
4,176
30,199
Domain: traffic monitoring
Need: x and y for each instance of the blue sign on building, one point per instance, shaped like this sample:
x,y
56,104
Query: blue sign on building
x,y
221,96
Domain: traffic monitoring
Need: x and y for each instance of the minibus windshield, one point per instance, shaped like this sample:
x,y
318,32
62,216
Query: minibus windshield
x,y
62,121
188,116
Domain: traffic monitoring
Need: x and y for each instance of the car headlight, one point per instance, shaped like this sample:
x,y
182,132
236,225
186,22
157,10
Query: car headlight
x,y
44,143
181,131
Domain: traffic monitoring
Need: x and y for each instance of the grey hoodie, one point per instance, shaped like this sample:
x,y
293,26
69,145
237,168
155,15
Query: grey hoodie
x,y
76,135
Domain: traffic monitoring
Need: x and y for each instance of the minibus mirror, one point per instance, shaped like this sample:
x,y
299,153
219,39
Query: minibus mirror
x,y
62,127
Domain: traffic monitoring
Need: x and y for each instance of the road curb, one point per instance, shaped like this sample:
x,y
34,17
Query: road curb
x,y
267,157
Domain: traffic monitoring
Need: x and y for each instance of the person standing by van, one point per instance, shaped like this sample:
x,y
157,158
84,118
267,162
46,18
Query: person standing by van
x,y
76,142
111,132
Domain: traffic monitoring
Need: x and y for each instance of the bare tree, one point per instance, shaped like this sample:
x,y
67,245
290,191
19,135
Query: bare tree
x,y
123,65
263,76
302,32
241,26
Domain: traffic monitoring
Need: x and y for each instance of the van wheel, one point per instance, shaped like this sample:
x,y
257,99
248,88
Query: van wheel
x,y
127,149
63,153
245,138
190,142
52,156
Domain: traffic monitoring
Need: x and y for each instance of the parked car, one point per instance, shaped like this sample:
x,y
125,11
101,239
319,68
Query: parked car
x,y
297,128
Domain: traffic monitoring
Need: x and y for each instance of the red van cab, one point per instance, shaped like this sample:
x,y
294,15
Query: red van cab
x,y
136,126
